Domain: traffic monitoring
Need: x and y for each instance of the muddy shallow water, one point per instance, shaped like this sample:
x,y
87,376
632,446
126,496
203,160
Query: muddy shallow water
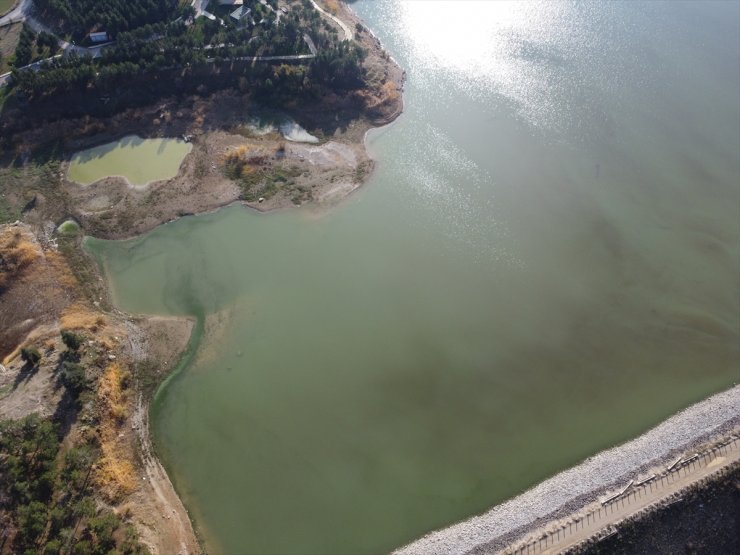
x,y
139,161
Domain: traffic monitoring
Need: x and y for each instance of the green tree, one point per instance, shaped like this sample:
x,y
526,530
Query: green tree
x,y
71,340
30,355
73,377
32,520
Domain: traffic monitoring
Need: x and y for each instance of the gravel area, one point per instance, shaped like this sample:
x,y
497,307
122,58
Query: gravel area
x,y
570,490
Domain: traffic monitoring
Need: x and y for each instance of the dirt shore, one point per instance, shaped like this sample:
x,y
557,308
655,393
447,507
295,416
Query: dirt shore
x,y
162,521
567,493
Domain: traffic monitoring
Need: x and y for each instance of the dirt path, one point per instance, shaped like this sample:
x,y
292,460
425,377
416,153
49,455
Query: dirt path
x,y
601,517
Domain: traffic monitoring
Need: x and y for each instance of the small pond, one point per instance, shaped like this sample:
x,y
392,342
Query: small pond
x,y
139,161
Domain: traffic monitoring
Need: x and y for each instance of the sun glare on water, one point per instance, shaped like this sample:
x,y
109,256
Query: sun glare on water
x,y
514,49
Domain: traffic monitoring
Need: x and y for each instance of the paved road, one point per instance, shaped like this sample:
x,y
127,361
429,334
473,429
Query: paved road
x,y
289,58
22,12
16,14
66,47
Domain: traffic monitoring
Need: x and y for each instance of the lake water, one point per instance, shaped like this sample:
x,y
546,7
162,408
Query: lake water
x,y
140,161
544,264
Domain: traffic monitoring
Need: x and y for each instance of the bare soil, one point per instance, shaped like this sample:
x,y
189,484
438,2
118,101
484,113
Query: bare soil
x,y
295,173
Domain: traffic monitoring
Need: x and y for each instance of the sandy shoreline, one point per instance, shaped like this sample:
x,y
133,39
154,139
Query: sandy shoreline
x,y
571,489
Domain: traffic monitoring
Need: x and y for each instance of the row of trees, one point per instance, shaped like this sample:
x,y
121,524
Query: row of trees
x,y
162,58
29,43
79,17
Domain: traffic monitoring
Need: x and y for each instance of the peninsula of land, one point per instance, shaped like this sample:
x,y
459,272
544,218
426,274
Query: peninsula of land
x,y
77,373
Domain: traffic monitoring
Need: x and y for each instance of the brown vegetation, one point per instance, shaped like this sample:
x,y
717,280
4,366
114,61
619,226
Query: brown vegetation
x,y
17,253
35,285
71,365
115,474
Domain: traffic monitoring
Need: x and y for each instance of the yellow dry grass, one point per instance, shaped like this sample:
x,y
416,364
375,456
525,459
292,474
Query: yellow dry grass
x,y
45,335
115,473
242,152
243,160
18,251
59,266
77,316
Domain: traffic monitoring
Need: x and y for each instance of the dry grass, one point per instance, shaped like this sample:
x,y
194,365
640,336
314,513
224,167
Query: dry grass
x,y
18,251
115,474
77,317
244,160
35,286
386,95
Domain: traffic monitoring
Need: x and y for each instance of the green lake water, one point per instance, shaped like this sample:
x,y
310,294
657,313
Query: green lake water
x,y
140,161
545,263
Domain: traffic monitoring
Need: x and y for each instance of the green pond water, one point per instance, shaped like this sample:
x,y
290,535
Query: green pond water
x,y
140,161
545,263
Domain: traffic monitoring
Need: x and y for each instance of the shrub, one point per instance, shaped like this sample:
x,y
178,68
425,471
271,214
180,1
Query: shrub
x,y
31,355
71,340
102,528
73,377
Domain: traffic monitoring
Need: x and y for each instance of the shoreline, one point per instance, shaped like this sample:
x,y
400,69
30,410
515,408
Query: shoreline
x,y
126,180
191,537
505,523
572,489
155,349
